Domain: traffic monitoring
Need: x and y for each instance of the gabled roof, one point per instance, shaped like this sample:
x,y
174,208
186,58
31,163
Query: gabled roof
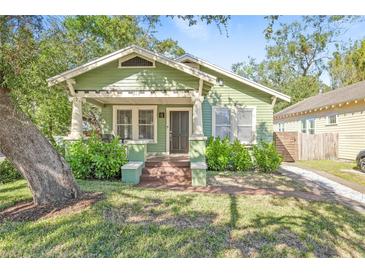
x,y
341,95
124,52
189,57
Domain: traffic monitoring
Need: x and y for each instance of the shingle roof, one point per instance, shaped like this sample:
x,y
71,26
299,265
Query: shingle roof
x,y
337,96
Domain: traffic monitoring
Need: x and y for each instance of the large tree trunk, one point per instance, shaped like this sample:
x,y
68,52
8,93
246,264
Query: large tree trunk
x,y
49,176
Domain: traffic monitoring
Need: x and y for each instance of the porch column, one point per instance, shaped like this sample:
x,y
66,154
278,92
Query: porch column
x,y
197,114
76,120
197,144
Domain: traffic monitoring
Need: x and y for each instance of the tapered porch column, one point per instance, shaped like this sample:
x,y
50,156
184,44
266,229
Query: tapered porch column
x,y
197,143
197,114
76,119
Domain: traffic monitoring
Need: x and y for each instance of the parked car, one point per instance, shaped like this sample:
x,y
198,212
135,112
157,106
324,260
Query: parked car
x,y
360,159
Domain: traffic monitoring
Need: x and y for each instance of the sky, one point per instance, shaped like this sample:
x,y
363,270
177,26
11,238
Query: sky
x,y
245,38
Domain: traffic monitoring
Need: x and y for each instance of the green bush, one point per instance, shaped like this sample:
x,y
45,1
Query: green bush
x,y
218,154
240,157
95,159
8,172
221,155
267,159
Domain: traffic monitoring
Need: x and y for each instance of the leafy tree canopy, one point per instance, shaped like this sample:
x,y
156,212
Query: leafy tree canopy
x,y
348,64
297,54
34,48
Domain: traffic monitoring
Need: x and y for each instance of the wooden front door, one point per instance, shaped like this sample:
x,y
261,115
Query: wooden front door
x,y
179,132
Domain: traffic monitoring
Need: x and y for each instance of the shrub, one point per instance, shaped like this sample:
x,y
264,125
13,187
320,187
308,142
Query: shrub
x,y
267,159
218,154
240,157
94,158
8,172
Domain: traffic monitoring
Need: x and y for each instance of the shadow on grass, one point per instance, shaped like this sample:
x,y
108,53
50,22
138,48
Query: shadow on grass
x,y
132,222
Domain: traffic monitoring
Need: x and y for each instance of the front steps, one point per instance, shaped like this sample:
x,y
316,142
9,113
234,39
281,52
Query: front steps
x,y
167,172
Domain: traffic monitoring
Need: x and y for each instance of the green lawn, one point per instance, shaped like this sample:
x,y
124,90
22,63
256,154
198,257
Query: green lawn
x,y
335,168
12,193
137,222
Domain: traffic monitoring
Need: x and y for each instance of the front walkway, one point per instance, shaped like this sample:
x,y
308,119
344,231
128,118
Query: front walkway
x,y
337,191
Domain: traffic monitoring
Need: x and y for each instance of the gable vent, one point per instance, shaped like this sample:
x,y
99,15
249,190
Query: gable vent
x,y
191,64
136,62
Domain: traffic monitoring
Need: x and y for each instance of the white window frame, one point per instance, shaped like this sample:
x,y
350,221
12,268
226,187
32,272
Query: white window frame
x,y
314,127
116,122
305,126
135,120
214,108
234,122
328,120
281,127
128,57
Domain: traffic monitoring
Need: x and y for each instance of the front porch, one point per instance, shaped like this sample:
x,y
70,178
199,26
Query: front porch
x,y
153,133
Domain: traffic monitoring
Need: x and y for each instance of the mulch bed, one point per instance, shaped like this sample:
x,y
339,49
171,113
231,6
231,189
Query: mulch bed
x,y
28,211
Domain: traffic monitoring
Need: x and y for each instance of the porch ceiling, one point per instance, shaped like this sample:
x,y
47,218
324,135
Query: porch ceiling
x,y
136,97
140,101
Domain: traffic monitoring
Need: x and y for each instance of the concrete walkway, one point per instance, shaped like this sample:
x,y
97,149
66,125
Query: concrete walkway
x,y
339,189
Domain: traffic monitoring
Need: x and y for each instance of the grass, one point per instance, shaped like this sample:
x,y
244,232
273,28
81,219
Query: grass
x,y
335,168
12,193
137,222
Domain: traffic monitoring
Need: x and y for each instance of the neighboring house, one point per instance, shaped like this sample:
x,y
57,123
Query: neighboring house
x,y
340,111
166,104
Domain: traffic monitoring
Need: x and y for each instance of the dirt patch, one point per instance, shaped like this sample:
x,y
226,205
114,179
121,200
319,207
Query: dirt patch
x,y
28,211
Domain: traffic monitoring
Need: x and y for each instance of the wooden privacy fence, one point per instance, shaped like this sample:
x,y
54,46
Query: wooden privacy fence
x,y
295,146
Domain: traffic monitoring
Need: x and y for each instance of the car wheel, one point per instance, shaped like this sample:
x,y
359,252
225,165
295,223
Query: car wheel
x,y
362,164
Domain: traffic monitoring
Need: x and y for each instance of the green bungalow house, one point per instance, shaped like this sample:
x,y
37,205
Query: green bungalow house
x,y
164,109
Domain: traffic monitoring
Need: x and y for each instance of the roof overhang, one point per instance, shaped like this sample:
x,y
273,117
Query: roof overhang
x,y
191,58
125,52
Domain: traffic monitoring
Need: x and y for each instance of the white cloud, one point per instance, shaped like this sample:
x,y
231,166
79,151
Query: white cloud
x,y
198,31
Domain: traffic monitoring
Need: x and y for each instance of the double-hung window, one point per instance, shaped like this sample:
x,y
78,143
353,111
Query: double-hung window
x,y
332,120
136,122
222,119
311,126
303,126
308,126
234,123
281,127
145,124
124,124
245,125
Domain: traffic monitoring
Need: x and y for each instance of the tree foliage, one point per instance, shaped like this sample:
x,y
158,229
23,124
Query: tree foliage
x,y
297,54
34,48
348,65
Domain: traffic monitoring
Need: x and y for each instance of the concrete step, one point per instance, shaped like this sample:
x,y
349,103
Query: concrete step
x,y
166,178
155,171
168,164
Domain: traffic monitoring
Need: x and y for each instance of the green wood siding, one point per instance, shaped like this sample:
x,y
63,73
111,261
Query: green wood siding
x,y
231,93
161,77
235,93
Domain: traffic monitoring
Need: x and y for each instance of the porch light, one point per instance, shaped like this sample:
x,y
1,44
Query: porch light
x,y
220,81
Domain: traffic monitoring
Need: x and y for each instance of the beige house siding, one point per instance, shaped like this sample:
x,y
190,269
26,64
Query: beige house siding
x,y
350,127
